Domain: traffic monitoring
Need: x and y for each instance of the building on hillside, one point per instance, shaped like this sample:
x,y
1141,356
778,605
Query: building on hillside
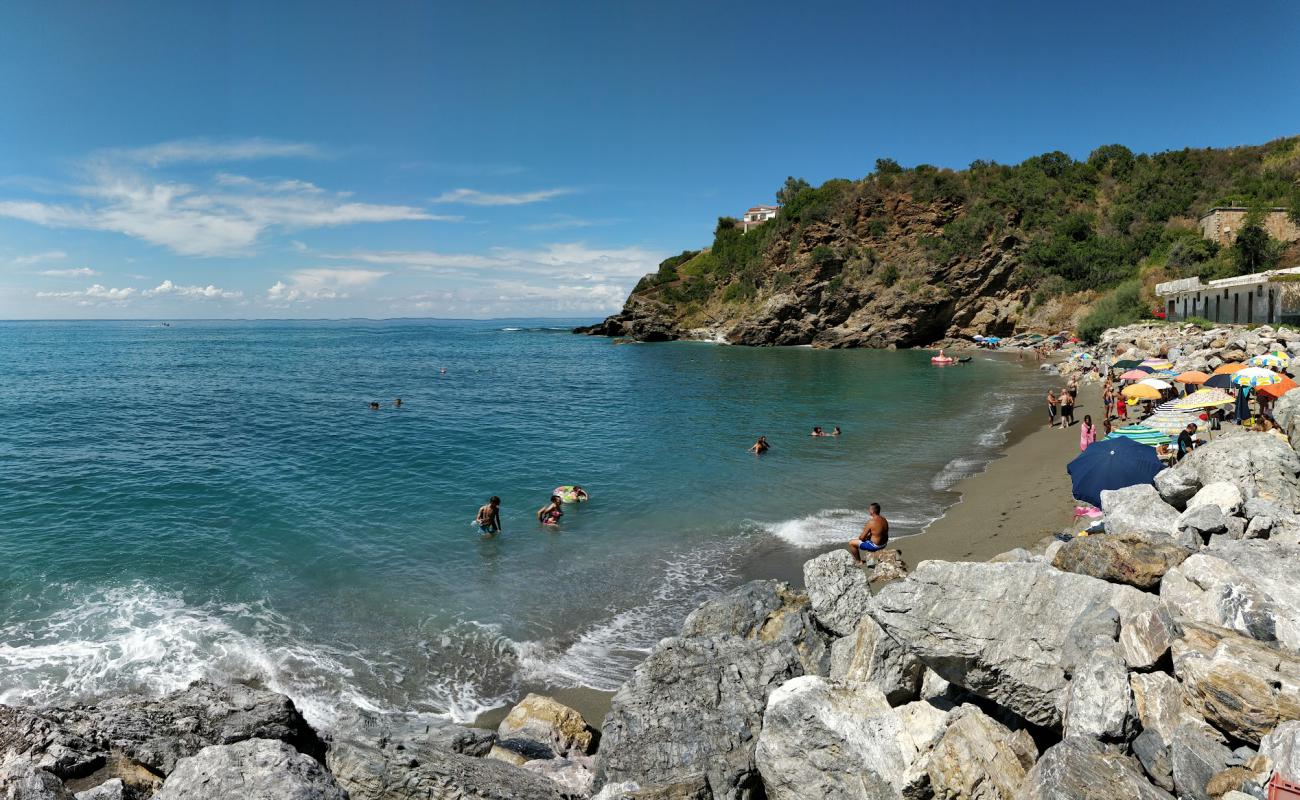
x,y
758,215
1221,224
1262,298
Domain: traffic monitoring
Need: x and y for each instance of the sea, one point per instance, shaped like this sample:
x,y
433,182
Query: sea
x,y
216,499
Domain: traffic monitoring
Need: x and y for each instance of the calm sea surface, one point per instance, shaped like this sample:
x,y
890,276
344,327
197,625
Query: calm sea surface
x,y
216,499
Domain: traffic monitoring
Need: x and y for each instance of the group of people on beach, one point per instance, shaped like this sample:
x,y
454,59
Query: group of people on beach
x,y
488,518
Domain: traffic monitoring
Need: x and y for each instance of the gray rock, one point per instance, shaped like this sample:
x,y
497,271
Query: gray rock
x,y
543,726
1098,698
254,769
1203,521
1258,464
692,710
1176,486
1082,769
1220,494
1159,703
1286,413
1138,509
979,757
933,686
839,590
573,775
22,779
1153,754
1197,756
1248,586
1243,687
1007,632
1138,559
414,732
1234,528
1146,637
377,769
828,739
869,655
112,789
765,612
1282,747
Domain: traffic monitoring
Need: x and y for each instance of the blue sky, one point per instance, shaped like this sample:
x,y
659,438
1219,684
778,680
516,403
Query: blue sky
x,y
526,159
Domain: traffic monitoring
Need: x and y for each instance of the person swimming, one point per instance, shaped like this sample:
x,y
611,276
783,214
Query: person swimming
x,y
550,513
874,536
817,431
489,518
397,403
760,447
374,406
836,432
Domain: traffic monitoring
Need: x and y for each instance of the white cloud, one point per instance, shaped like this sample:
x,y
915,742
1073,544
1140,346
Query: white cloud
x,y
93,296
37,258
78,272
563,221
214,151
321,283
561,261
208,292
473,197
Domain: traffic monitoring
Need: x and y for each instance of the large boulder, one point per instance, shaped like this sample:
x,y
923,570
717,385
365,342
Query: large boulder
x,y
1012,633
22,779
1197,755
1146,636
766,613
1243,687
1282,747
1222,495
1138,509
1249,586
1258,464
1286,412
979,758
1137,559
692,710
573,776
544,728
839,590
1079,768
254,769
869,655
1160,704
1153,754
828,739
1098,698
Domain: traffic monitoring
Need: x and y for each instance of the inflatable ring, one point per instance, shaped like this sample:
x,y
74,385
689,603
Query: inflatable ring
x,y
569,494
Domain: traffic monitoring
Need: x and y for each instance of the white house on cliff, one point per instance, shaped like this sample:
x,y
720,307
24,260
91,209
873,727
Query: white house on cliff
x,y
758,215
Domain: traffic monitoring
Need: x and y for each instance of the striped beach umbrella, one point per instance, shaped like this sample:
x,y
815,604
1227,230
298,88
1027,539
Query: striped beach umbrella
x,y
1204,398
1141,434
1255,376
1271,361
1193,377
1154,383
1134,375
1141,391
1228,369
1170,423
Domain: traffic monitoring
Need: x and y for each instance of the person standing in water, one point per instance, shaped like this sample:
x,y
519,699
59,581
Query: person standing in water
x,y
550,513
489,518
760,447
874,536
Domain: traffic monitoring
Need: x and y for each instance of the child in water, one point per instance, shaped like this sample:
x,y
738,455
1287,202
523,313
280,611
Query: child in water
x,y
550,514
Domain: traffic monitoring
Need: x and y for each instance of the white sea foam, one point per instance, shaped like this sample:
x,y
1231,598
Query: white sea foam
x,y
955,470
824,527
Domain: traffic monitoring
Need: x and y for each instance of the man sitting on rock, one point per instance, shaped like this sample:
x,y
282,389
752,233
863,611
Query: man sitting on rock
x,y
874,536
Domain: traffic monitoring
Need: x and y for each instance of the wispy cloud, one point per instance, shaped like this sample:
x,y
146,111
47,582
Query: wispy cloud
x,y
214,151
77,272
464,168
208,292
321,283
473,197
565,221
37,258
560,261
92,296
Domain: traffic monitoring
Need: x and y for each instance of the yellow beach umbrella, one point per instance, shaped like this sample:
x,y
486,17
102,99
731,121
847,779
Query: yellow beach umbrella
x,y
1141,391
1204,398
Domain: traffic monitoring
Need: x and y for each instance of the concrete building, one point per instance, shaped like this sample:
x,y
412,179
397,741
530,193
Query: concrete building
x,y
1262,298
758,215
1221,224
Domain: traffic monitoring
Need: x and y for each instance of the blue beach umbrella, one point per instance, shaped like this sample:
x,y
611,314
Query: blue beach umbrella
x,y
1219,382
1111,464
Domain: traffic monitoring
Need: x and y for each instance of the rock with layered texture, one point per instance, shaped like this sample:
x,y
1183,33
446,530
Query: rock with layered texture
x,y
1146,636
1249,586
1097,701
112,789
1008,632
869,655
1153,754
691,712
1138,509
1258,464
839,590
1197,756
543,726
22,779
1243,687
828,739
1082,769
253,769
979,758
1282,747
1160,704
1137,559
573,775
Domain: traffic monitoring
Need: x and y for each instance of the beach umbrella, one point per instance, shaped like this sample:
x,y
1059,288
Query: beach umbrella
x,y
1271,361
1082,357
1141,391
1126,363
1192,376
1111,464
1157,363
1255,376
1166,373
1134,375
1219,381
1170,423
1154,383
1141,434
1228,369
993,339
1276,390
1204,398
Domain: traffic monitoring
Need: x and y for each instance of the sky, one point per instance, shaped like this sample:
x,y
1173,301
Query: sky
x,y
522,159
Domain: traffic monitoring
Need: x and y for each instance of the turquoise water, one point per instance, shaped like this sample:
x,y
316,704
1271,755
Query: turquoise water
x,y
215,499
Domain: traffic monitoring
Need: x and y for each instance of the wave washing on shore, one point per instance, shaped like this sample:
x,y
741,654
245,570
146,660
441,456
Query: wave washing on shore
x,y
280,532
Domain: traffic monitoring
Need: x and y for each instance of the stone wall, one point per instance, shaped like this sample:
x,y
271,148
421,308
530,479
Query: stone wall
x,y
1222,225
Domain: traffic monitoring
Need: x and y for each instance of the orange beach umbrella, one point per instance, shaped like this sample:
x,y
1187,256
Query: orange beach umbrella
x,y
1278,389
1228,369
1193,377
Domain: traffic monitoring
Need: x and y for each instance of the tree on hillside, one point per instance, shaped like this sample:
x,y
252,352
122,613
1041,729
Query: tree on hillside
x,y
790,190
887,166
1254,250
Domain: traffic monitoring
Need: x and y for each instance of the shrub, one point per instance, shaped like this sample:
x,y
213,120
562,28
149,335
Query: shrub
x,y
1123,306
889,275
1200,322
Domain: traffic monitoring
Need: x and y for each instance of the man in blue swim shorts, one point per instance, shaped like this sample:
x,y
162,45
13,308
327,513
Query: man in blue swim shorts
x,y
874,536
